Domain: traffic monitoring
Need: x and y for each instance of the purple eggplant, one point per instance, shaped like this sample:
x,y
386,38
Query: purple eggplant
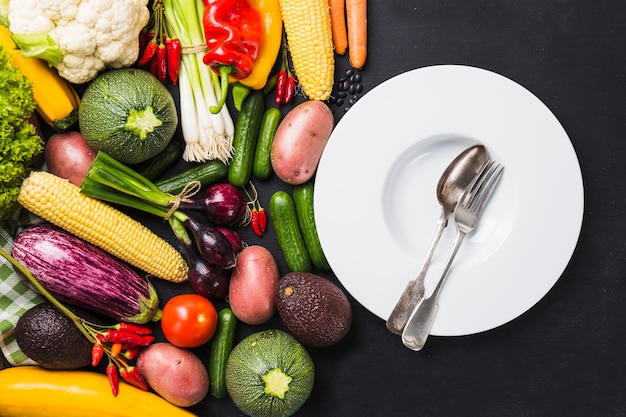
x,y
78,273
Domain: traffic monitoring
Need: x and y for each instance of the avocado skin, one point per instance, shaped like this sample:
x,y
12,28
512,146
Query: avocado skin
x,y
51,339
313,309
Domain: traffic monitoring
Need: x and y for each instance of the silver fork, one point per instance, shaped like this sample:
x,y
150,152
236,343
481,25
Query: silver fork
x,y
466,216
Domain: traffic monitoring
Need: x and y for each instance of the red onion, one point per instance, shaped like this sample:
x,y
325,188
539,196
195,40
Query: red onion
x,y
212,244
233,237
223,204
205,278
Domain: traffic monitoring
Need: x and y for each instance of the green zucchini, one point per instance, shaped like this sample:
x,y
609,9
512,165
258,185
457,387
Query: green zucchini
x,y
246,135
221,346
206,172
303,200
156,166
288,233
262,165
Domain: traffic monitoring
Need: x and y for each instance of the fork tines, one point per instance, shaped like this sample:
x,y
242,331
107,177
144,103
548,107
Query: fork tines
x,y
478,192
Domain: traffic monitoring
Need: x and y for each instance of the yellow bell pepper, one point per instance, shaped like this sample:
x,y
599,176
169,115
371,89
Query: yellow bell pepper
x,y
271,42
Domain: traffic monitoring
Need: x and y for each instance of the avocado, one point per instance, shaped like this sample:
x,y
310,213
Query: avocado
x,y
313,309
51,339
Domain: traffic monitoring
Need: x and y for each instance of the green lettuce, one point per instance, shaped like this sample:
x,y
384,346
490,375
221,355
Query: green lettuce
x,y
19,141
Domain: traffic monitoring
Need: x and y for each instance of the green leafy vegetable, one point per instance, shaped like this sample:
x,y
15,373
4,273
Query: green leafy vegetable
x,y
19,141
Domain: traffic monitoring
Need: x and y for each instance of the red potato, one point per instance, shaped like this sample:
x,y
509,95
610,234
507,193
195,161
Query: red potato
x,y
69,156
300,140
176,374
253,284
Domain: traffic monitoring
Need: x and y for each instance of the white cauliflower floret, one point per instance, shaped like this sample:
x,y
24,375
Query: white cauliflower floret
x,y
83,36
81,67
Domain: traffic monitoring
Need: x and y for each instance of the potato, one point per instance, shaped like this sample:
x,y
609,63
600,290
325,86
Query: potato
x,y
300,140
253,284
69,156
176,374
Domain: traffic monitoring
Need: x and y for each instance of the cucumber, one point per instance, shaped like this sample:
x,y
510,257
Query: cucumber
x,y
290,240
156,166
221,346
246,135
303,200
206,172
262,165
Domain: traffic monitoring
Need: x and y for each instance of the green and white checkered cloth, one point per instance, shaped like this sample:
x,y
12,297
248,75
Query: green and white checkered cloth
x,y
15,299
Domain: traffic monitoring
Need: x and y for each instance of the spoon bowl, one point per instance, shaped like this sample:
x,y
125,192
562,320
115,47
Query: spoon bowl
x,y
457,176
452,184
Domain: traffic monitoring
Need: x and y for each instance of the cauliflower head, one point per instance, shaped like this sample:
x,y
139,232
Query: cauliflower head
x,y
79,37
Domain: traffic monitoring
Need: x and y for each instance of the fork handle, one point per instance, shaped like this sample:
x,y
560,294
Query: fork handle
x,y
422,318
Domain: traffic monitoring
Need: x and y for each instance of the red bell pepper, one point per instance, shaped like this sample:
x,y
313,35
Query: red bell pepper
x,y
233,32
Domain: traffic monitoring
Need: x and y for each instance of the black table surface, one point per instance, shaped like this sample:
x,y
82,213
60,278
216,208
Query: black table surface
x,y
566,356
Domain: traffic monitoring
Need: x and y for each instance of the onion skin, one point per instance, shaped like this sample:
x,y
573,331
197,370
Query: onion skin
x,y
205,278
223,203
212,244
233,237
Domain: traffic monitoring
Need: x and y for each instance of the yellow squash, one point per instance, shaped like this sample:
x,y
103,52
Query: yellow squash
x,y
57,101
36,392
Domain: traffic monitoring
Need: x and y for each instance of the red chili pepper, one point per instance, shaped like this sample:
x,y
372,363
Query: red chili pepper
x,y
97,351
130,353
128,338
290,90
173,58
132,376
153,66
111,371
281,84
145,36
161,62
148,53
116,349
254,222
134,328
262,219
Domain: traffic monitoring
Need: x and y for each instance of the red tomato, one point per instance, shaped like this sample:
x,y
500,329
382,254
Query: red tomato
x,y
188,320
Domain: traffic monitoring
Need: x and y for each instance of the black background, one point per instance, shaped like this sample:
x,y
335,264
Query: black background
x,y
566,355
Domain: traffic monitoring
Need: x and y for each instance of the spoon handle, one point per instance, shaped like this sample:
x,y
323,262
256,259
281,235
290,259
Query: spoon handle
x,y
414,290
422,318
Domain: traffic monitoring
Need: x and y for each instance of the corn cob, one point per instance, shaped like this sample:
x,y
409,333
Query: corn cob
x,y
60,202
310,41
57,101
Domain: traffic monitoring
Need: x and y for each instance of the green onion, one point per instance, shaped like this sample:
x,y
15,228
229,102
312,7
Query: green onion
x,y
207,135
109,180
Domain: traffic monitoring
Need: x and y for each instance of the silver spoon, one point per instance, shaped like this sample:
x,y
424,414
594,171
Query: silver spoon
x,y
453,182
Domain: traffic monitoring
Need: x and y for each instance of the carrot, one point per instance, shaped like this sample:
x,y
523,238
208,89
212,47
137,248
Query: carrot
x,y
338,25
356,11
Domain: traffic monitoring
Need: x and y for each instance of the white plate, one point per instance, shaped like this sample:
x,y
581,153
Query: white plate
x,y
376,209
